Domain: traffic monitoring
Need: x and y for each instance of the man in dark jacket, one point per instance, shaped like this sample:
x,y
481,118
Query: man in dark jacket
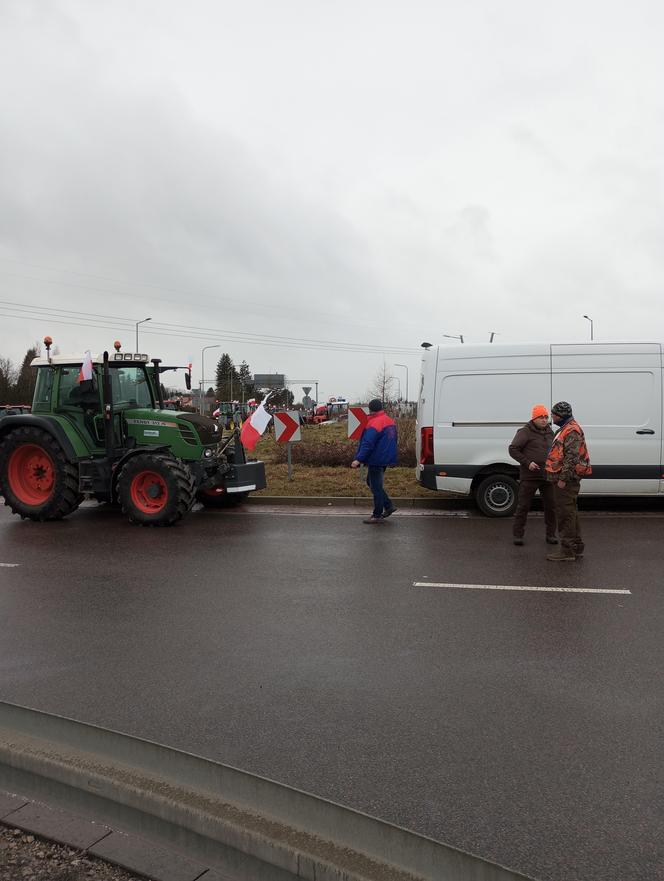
x,y
567,464
530,448
377,450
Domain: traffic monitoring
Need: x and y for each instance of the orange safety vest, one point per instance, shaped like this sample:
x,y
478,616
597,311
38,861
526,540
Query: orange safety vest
x,y
554,461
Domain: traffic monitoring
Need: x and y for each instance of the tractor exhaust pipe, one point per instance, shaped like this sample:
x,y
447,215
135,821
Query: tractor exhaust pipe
x,y
108,409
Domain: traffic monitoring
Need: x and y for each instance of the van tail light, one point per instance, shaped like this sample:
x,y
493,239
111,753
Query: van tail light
x,y
426,447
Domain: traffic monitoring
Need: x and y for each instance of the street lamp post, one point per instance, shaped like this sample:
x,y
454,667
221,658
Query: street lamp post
x,y
137,323
203,351
592,336
405,366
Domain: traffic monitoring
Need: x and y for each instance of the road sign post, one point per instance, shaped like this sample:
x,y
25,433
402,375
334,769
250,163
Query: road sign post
x,y
287,431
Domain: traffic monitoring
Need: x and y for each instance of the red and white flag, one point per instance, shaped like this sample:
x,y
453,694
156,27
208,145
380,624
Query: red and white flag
x,y
253,428
86,371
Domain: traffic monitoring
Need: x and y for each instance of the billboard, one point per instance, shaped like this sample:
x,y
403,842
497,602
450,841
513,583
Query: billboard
x,y
269,380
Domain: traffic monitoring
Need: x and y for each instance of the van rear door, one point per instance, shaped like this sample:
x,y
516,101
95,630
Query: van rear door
x,y
616,395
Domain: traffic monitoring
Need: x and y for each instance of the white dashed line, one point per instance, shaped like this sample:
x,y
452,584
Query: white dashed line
x,y
520,587
9,565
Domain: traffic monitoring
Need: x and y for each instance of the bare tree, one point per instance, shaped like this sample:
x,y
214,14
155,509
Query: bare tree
x,y
382,384
8,376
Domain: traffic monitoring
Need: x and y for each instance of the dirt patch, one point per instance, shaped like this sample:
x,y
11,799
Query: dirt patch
x,y
25,857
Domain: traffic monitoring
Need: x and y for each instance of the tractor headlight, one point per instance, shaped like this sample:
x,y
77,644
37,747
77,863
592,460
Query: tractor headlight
x,y
208,453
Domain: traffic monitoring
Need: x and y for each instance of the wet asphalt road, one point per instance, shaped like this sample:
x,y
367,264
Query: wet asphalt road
x,y
526,727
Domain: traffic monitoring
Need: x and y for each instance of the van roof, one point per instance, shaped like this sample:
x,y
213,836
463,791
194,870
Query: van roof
x,y
450,350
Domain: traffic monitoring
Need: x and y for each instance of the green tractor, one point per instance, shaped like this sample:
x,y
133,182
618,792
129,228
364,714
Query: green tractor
x,y
99,427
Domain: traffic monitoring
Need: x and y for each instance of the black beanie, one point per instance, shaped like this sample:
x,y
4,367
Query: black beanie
x,y
376,405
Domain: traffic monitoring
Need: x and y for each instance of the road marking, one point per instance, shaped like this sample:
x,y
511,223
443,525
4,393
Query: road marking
x,y
520,587
9,565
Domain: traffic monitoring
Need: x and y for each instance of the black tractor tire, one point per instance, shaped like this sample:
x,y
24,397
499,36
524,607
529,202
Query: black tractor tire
x,y
220,500
36,479
497,495
155,489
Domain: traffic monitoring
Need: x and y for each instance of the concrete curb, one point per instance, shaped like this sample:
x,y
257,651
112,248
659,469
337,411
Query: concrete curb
x,y
357,502
218,818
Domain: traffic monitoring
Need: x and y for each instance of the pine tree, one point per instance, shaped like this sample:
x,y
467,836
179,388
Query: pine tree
x,y
27,377
246,382
228,381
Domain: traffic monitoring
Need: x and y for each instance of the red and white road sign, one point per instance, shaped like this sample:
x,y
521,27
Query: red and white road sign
x,y
357,419
287,427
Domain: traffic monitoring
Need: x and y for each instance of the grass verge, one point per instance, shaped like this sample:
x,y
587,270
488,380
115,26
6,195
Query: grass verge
x,y
311,480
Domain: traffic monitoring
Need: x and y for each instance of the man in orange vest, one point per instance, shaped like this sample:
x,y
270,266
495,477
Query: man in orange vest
x,y
567,464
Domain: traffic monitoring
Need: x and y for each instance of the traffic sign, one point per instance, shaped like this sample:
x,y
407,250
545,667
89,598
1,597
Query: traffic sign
x,y
306,389
357,419
307,402
287,427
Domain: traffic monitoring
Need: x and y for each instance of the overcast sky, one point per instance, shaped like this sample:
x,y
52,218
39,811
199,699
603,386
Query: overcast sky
x,y
374,173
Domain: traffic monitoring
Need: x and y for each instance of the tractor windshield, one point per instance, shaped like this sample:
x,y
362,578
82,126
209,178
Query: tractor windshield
x,y
131,388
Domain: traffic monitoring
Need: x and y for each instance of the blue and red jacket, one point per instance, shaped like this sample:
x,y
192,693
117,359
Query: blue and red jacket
x,y
378,444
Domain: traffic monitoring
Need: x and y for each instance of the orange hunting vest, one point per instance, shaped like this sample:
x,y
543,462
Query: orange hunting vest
x,y
554,461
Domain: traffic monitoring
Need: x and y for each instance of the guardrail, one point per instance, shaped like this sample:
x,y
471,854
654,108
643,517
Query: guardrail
x,y
243,824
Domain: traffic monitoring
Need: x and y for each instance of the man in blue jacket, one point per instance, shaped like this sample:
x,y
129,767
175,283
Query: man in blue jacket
x,y
377,450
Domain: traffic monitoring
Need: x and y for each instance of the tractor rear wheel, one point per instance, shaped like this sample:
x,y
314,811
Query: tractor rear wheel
x,y
155,489
36,479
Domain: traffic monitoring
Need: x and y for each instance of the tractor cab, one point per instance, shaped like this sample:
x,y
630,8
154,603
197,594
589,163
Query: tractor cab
x,y
62,390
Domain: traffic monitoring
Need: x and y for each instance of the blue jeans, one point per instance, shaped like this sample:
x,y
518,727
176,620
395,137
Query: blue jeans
x,y
382,502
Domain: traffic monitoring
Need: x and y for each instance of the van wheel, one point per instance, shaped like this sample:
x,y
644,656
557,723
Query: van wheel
x,y
496,495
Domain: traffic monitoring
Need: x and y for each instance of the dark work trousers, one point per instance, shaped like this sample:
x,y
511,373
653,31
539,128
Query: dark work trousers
x,y
382,502
527,490
568,516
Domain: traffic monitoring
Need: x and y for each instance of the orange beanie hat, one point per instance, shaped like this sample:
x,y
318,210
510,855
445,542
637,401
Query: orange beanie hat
x,y
539,410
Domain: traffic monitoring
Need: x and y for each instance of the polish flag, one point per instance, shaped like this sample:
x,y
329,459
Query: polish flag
x,y
86,371
253,428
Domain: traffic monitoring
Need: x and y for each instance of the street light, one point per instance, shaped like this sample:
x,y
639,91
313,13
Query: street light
x,y
591,327
137,323
203,351
449,337
405,366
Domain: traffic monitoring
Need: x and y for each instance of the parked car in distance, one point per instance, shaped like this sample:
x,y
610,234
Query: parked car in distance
x,y
13,409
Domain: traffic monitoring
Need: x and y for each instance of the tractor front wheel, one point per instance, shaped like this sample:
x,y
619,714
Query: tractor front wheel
x,y
155,489
36,479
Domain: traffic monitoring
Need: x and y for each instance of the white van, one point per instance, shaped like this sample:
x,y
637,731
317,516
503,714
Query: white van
x,y
473,399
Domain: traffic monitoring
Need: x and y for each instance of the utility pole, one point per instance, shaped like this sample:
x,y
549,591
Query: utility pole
x,y
203,351
142,321
405,366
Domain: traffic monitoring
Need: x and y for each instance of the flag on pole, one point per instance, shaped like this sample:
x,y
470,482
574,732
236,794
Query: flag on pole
x,y
253,428
86,372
